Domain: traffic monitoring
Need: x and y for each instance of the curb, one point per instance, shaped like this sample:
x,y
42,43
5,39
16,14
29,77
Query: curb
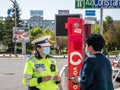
x,y
11,55
117,89
22,56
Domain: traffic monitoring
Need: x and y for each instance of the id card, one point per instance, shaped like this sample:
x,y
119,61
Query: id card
x,y
40,68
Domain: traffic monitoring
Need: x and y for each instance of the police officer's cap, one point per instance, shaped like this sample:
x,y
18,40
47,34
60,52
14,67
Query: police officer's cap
x,y
42,41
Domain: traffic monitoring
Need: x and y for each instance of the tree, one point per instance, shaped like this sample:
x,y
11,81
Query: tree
x,y
39,32
36,33
109,33
117,35
96,29
61,43
9,23
108,23
16,11
109,19
2,30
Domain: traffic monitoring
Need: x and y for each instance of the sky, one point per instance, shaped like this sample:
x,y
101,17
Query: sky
x,y
51,7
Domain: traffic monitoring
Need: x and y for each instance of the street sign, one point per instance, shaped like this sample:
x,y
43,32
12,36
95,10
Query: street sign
x,y
8,11
97,3
90,12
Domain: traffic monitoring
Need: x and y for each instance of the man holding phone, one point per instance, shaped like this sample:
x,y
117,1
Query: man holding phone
x,y
96,72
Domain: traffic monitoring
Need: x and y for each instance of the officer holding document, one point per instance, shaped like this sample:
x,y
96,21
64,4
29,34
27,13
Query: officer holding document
x,y
41,71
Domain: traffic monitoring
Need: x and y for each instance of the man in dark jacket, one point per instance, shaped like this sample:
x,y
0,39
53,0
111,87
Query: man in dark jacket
x,y
96,73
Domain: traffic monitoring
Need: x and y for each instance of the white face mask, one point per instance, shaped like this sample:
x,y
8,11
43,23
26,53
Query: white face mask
x,y
87,53
46,50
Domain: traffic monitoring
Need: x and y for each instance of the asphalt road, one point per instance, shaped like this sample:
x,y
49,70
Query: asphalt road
x,y
11,72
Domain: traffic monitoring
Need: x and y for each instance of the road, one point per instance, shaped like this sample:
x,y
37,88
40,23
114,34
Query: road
x,y
11,72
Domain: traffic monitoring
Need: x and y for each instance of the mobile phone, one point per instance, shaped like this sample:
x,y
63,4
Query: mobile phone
x,y
72,78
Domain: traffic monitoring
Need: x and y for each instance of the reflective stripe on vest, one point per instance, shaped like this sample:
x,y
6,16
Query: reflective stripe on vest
x,y
27,76
52,61
34,61
27,82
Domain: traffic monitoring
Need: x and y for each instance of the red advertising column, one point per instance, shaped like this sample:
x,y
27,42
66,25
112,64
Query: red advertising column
x,y
75,49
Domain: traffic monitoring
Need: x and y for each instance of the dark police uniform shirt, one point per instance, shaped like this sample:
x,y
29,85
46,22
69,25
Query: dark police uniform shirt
x,y
96,73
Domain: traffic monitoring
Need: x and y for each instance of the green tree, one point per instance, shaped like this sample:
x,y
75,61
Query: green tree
x,y
108,23
109,19
36,33
109,33
117,35
16,9
62,43
96,29
2,30
39,32
9,24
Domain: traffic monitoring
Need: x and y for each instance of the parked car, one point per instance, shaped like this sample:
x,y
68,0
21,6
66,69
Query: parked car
x,y
116,66
117,61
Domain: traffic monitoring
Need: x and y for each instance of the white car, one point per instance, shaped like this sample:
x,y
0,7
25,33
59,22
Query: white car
x,y
116,66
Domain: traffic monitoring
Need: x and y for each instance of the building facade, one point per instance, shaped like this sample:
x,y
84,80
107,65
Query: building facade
x,y
36,20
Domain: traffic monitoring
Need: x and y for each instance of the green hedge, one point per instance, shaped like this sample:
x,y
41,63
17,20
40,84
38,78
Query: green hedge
x,y
115,52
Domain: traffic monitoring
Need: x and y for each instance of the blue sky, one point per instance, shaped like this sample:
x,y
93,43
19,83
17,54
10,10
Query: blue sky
x,y
51,8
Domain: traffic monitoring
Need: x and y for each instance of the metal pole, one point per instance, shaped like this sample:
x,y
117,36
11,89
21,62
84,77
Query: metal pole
x,y
23,48
15,15
15,48
15,44
101,21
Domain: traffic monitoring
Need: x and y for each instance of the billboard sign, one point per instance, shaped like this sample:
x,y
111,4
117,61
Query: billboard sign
x,y
97,3
60,23
21,34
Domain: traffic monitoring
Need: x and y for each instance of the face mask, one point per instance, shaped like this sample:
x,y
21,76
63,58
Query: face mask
x,y
46,50
87,53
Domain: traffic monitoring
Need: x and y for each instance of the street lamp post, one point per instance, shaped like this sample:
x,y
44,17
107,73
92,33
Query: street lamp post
x,y
101,21
15,44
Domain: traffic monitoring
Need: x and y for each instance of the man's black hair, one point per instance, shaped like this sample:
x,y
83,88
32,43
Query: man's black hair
x,y
96,41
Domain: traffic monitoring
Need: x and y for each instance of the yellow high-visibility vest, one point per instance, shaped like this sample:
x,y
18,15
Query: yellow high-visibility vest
x,y
35,68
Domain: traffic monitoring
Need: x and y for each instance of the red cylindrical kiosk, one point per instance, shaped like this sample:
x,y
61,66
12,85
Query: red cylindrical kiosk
x,y
75,49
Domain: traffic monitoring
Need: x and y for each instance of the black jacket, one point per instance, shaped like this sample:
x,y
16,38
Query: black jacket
x,y
96,73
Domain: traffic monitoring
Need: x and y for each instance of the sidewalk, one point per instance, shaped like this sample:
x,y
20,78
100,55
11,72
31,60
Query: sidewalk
x,y
117,89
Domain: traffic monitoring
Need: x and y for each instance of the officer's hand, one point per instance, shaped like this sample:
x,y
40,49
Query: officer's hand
x,y
57,78
46,78
76,80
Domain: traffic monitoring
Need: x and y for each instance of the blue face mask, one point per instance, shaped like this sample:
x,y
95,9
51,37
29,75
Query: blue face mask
x,y
46,50
87,53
